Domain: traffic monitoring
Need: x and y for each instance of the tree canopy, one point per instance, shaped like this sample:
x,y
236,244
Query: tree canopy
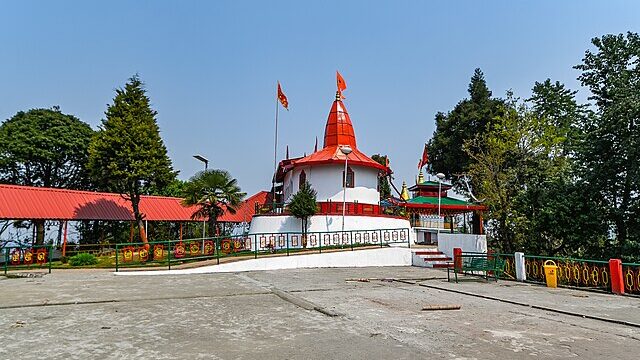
x,y
212,192
610,152
465,122
127,155
383,181
558,177
44,147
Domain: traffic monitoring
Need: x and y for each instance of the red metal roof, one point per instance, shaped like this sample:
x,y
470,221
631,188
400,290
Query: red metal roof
x,y
28,203
338,132
339,129
247,209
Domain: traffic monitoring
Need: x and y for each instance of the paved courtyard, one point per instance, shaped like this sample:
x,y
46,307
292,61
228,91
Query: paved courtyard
x,y
307,314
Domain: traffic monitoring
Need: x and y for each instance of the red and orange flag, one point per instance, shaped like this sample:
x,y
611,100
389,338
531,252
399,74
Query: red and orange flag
x,y
282,98
425,158
342,85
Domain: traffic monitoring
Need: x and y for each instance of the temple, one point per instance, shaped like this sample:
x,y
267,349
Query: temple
x,y
432,212
340,174
349,206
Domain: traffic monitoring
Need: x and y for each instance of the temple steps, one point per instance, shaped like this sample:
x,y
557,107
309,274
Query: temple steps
x,y
431,258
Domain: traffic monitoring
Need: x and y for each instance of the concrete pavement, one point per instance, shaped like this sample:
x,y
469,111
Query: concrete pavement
x,y
275,315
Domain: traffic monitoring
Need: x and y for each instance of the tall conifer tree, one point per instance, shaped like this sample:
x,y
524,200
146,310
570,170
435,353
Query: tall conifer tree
x,y
127,155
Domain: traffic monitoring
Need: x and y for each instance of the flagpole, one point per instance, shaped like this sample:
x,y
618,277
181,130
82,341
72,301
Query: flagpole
x,y
275,159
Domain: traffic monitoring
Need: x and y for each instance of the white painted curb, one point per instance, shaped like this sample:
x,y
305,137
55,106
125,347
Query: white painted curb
x,y
392,256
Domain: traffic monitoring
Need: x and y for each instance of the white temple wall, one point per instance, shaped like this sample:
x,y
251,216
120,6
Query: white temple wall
x,y
327,181
282,231
324,223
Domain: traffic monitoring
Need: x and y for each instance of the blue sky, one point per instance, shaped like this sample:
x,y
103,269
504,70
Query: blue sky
x,y
211,67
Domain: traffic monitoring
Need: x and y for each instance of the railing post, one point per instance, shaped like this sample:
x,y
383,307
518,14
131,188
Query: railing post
x,y
50,257
117,257
255,242
169,253
351,238
457,258
381,239
320,241
288,242
521,273
408,238
617,279
216,243
6,260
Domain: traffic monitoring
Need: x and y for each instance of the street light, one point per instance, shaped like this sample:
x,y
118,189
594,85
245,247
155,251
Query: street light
x,y
203,159
346,150
440,176
204,222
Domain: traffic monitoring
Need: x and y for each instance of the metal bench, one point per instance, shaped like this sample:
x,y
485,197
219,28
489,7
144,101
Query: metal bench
x,y
475,262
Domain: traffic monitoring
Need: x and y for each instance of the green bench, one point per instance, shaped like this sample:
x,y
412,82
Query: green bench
x,y
478,263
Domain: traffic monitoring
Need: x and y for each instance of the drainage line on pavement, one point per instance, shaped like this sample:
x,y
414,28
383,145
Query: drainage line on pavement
x,y
592,317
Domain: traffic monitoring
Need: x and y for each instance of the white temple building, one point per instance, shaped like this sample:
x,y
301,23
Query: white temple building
x,y
361,221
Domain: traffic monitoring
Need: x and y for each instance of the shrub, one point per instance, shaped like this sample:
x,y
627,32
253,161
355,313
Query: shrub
x,y
64,259
83,259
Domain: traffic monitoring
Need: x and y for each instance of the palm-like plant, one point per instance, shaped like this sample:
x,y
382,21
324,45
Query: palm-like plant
x,y
212,192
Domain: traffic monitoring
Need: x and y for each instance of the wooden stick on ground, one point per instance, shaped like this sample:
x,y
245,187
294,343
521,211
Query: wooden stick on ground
x,y
441,307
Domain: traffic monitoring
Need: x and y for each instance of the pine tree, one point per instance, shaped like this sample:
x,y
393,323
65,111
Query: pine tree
x,y
465,122
127,155
303,205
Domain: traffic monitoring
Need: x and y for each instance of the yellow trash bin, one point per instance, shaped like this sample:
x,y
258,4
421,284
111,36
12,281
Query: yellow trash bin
x,y
550,272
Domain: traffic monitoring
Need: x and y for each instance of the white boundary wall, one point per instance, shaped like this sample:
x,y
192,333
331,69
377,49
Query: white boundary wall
x,y
468,242
323,223
392,256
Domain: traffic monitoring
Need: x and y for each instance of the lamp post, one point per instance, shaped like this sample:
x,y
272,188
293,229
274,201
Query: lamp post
x,y
203,159
346,150
440,176
206,165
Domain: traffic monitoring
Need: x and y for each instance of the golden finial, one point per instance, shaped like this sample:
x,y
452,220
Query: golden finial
x,y
405,193
420,177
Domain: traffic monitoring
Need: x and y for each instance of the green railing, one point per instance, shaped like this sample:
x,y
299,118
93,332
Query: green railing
x,y
176,252
509,265
27,257
581,273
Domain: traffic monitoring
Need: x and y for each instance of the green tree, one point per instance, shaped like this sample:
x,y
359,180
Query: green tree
x,y
44,147
383,180
609,154
173,189
302,206
127,155
468,120
512,160
212,192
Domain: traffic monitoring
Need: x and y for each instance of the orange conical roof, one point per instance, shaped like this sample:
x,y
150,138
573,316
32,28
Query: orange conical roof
x,y
337,133
339,130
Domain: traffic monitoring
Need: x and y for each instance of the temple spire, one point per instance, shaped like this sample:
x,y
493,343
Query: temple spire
x,y
339,129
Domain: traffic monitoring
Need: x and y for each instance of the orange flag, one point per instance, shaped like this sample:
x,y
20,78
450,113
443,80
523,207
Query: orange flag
x,y
283,98
342,85
425,158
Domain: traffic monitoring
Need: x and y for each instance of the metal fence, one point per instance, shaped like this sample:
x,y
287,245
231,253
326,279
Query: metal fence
x,y
27,257
173,252
631,273
509,272
589,274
